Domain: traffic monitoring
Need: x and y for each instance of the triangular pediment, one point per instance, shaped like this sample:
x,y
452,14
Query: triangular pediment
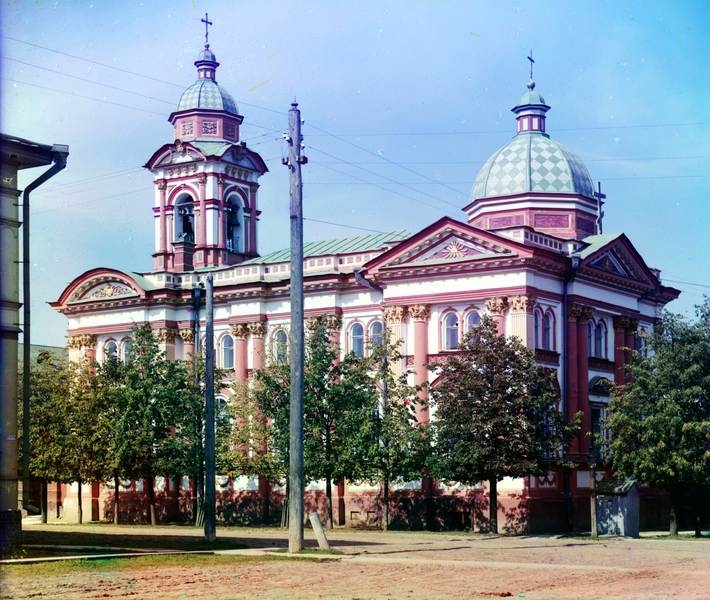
x,y
616,256
445,242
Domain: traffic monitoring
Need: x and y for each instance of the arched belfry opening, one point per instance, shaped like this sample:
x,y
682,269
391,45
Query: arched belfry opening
x,y
183,232
184,218
236,231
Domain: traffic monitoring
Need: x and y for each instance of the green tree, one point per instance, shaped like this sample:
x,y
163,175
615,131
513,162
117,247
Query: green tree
x,y
395,446
657,425
337,413
496,413
156,433
52,457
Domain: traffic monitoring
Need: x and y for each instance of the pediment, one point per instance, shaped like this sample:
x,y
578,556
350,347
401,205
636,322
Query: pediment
x,y
610,262
621,259
179,154
450,242
101,289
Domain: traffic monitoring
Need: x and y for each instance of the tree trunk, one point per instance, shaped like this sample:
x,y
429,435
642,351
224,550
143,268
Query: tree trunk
x,y
329,502
78,505
151,499
116,484
675,501
43,501
200,484
697,510
493,502
386,504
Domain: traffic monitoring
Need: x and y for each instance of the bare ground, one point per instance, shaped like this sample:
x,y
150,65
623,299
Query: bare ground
x,y
413,565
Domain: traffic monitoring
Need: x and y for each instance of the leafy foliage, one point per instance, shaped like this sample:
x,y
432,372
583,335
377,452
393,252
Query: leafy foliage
x,y
496,412
657,425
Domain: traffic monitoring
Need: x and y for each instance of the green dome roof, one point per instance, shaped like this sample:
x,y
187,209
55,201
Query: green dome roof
x,y
530,98
532,162
206,94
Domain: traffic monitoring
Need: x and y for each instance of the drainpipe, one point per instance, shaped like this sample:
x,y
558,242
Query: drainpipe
x,y
59,156
565,410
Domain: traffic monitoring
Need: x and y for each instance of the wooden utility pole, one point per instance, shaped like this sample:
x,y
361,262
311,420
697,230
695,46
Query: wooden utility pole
x,y
295,482
210,501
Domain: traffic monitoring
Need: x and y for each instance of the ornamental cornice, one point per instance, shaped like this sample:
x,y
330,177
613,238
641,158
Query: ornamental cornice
x,y
257,329
165,335
333,322
419,312
240,331
522,304
395,314
497,306
187,335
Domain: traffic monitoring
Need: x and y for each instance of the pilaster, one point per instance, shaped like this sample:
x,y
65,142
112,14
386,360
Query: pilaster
x,y
240,331
523,318
496,307
621,324
165,336
585,313
188,338
420,314
258,333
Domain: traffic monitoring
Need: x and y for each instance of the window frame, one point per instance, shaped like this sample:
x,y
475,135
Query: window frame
x,y
358,340
446,327
223,351
279,347
600,340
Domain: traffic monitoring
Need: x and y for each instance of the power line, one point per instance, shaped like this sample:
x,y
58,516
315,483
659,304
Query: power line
x,y
341,225
392,180
482,162
686,283
150,112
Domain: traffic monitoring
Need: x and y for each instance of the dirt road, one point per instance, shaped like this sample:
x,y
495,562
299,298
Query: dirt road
x,y
417,566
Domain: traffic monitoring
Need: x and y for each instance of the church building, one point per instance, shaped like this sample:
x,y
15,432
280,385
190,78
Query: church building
x,y
528,250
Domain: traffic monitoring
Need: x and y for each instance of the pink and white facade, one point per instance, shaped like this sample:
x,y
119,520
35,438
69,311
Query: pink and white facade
x,y
529,253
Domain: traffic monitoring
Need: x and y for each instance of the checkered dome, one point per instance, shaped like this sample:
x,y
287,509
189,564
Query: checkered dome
x,y
532,162
207,94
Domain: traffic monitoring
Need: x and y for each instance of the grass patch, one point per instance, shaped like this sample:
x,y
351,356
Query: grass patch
x,y
140,563
113,539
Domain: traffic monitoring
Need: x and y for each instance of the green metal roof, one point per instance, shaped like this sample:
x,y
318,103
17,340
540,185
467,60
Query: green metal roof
x,y
139,279
349,245
530,98
597,242
211,148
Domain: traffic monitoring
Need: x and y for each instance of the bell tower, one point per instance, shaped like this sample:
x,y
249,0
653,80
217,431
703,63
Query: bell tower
x,y
206,181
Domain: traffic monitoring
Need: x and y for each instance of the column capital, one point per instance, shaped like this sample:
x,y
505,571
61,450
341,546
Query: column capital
x,y
187,335
240,330
220,180
395,314
311,323
165,335
522,304
419,312
633,325
333,322
88,340
162,185
202,179
74,342
621,323
579,312
497,306
257,328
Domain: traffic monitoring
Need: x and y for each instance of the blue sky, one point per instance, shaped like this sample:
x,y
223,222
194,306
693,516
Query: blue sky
x,y
403,103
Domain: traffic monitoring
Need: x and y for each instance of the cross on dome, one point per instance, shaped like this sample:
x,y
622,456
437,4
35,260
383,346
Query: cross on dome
x,y
207,23
531,83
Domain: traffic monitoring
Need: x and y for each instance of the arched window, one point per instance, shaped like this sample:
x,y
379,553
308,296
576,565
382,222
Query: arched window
x,y
536,329
357,340
376,332
126,350
451,331
547,333
111,351
590,338
184,218
600,340
472,319
280,345
227,352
